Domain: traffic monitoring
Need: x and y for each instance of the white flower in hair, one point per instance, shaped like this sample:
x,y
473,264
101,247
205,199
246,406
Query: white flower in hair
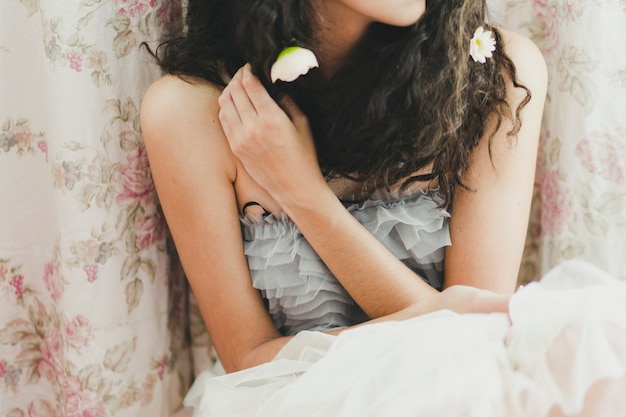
x,y
292,62
482,45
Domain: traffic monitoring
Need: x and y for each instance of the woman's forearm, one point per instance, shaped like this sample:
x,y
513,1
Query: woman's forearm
x,y
379,282
459,298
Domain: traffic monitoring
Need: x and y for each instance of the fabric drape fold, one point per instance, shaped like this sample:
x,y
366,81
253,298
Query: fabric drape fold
x,y
91,316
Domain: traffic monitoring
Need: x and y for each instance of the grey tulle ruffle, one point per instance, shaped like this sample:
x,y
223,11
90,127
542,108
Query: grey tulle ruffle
x,y
302,294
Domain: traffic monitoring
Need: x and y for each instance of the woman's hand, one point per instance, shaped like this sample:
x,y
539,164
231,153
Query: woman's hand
x,y
466,299
457,298
274,144
460,299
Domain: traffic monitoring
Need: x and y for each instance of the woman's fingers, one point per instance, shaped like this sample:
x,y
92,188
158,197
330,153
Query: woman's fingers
x,y
495,303
226,124
246,106
241,98
258,95
269,142
229,117
227,106
466,299
251,100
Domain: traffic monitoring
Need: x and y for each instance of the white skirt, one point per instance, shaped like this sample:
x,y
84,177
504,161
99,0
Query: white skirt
x,y
562,347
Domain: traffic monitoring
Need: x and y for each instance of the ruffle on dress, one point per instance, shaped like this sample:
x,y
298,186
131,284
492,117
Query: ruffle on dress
x,y
302,294
414,229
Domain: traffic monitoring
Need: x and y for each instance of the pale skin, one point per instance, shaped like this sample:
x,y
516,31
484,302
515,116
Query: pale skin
x,y
211,151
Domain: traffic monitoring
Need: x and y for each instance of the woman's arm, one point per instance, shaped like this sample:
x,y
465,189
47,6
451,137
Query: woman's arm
x,y
488,226
277,149
194,171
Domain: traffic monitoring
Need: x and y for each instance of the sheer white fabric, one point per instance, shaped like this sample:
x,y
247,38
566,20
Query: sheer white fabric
x,y
563,347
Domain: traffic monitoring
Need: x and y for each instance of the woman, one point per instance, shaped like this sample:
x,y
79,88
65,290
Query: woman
x,y
400,158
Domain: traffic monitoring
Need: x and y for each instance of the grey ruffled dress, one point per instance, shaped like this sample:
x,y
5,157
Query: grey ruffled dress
x,y
302,294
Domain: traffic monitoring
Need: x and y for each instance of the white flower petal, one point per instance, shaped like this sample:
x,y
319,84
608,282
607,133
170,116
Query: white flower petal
x,y
291,63
482,45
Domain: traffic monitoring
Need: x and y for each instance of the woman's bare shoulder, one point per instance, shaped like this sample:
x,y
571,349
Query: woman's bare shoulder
x,y
172,97
179,119
529,62
171,83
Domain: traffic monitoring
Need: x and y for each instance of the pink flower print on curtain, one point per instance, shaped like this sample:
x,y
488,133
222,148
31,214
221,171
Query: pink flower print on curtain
x,y
134,8
150,230
50,366
53,280
603,155
547,14
80,403
136,179
42,408
78,332
17,282
555,207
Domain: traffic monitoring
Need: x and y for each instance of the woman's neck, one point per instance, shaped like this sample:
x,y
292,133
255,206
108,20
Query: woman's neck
x,y
339,30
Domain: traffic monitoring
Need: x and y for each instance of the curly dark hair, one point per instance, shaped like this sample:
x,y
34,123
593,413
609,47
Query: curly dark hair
x,y
407,97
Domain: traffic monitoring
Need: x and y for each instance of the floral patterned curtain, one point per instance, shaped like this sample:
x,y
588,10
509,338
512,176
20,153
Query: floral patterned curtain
x,y
91,307
579,209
